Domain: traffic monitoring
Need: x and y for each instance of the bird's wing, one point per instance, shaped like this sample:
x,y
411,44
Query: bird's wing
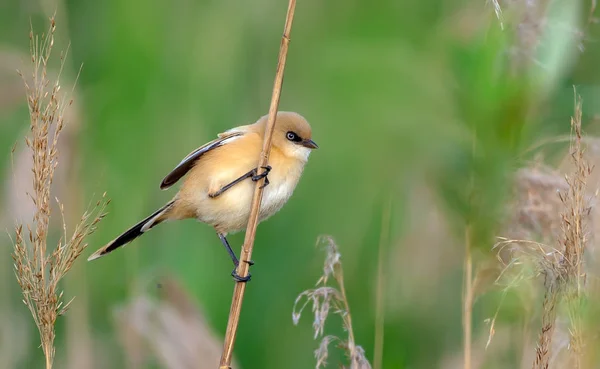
x,y
188,162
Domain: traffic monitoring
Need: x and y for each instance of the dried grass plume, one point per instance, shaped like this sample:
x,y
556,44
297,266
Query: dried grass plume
x,y
37,269
326,299
561,227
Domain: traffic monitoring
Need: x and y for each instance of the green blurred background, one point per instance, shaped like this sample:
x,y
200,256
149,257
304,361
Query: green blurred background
x,y
427,105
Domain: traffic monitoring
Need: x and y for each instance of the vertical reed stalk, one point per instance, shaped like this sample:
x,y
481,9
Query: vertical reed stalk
x,y
380,300
246,253
468,299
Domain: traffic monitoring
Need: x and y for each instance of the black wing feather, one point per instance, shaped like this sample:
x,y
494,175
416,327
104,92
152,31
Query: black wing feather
x,y
188,162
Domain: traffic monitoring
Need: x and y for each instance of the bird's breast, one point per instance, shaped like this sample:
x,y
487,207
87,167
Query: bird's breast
x,y
277,193
229,212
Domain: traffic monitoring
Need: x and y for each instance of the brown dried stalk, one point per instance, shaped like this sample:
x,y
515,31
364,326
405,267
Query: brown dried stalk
x,y
574,236
548,237
565,276
549,306
468,296
325,299
380,288
468,291
37,271
246,253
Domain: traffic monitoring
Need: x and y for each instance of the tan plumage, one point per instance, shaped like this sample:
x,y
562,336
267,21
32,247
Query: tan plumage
x,y
220,162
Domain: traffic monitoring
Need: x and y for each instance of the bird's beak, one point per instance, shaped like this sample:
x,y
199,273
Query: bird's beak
x,y
309,143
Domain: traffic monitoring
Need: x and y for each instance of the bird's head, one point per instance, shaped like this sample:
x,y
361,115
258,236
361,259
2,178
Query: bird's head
x,y
293,135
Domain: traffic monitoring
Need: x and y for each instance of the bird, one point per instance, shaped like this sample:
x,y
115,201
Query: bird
x,y
218,181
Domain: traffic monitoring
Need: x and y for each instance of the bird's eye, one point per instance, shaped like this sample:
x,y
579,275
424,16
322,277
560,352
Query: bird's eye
x,y
291,136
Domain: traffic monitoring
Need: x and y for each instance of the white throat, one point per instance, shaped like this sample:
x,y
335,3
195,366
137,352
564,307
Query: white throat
x,y
300,152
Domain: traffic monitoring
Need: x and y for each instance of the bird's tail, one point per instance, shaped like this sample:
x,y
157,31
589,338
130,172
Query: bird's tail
x,y
134,232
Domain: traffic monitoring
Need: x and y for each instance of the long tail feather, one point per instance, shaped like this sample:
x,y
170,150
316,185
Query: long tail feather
x,y
133,232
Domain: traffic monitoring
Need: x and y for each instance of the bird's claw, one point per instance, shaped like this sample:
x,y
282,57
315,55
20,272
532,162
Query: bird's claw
x,y
266,183
249,262
264,174
239,278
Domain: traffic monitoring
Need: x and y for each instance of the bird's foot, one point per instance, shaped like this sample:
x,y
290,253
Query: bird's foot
x,y
264,175
239,278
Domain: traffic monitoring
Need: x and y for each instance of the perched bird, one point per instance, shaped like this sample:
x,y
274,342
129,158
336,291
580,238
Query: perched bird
x,y
219,186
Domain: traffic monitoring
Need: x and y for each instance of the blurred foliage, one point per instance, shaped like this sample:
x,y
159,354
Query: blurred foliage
x,y
418,102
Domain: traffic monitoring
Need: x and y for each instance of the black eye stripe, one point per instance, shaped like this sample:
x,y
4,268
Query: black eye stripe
x,y
292,136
